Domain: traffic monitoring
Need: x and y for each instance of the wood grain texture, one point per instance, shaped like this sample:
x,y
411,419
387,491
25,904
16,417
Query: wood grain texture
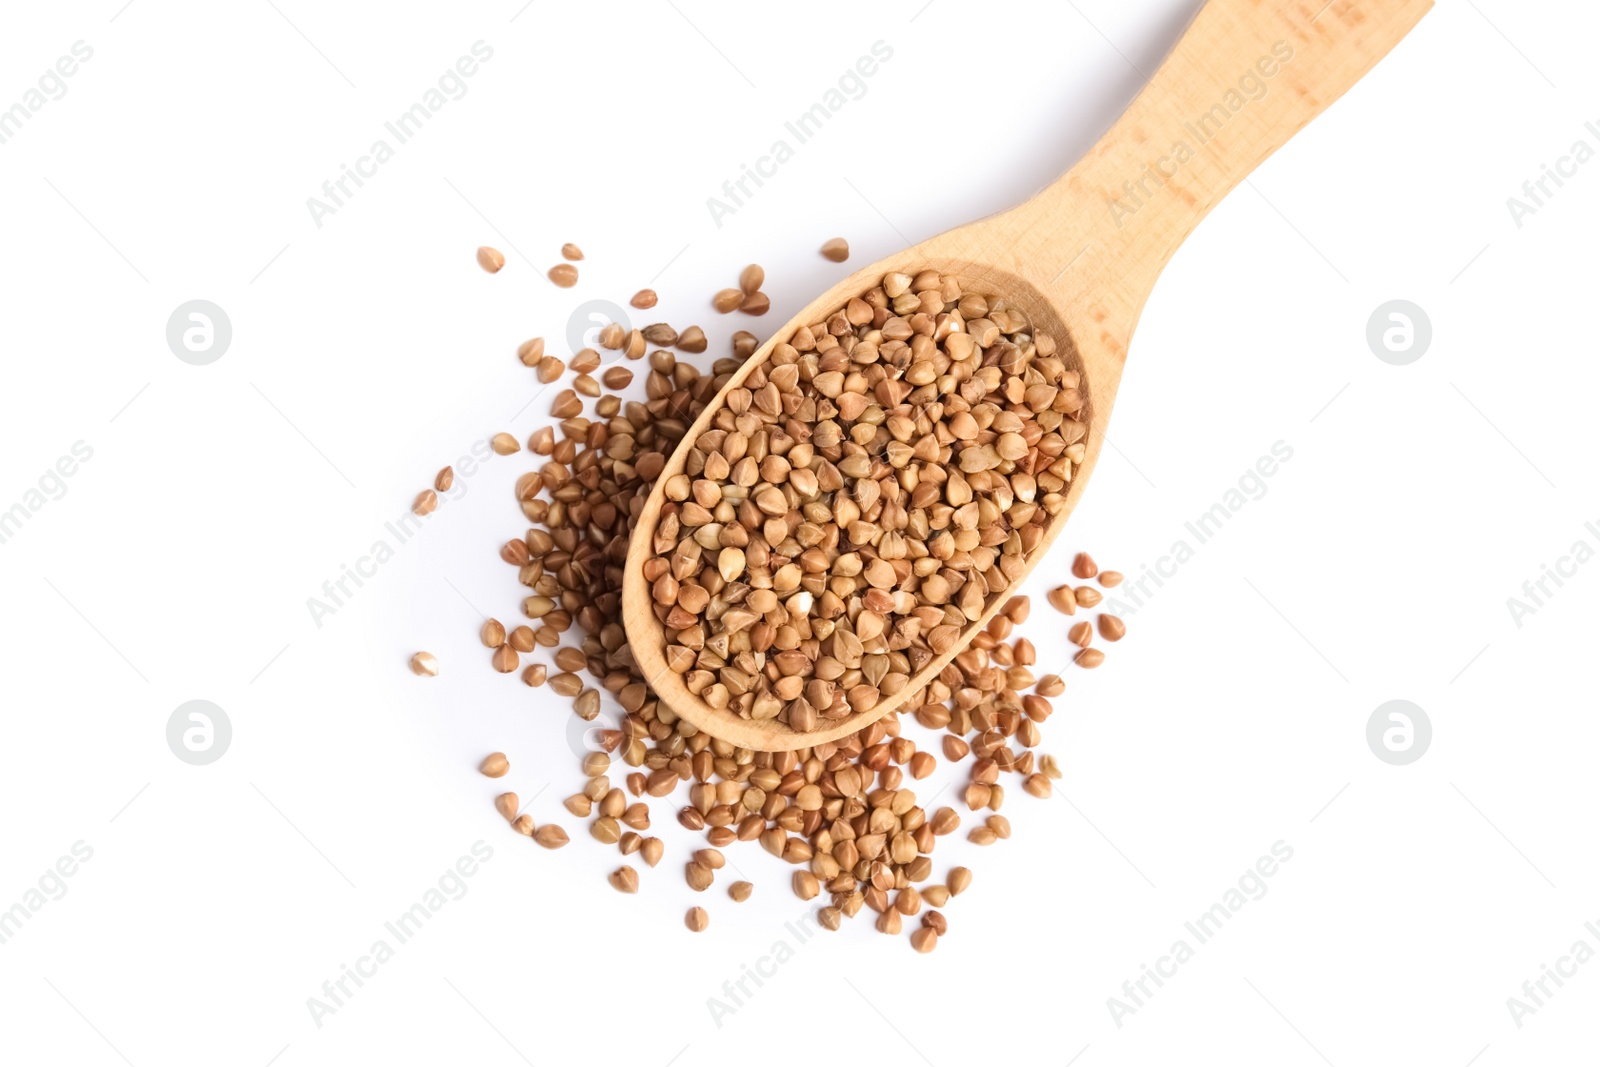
x,y
1082,256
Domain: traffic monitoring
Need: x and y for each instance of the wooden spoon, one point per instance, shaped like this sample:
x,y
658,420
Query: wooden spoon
x,y
1081,257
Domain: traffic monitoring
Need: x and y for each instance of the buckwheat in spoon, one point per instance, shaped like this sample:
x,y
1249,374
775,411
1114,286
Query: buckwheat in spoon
x,y
862,495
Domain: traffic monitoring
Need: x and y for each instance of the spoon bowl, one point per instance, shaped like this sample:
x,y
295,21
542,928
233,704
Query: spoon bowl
x,y
1079,259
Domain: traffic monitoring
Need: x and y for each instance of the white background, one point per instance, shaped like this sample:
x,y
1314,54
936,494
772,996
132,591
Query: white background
x,y
369,352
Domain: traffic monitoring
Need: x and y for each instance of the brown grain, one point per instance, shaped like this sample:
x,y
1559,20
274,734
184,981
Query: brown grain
x,y
699,876
566,404
550,836
692,339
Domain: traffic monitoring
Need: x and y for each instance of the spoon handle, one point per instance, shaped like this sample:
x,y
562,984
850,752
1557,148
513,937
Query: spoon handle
x,y
1243,79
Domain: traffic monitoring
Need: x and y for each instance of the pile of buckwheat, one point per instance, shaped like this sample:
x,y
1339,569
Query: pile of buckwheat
x,y
859,500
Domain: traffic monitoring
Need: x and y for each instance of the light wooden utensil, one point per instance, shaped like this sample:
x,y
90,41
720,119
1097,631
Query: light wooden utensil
x,y
1081,257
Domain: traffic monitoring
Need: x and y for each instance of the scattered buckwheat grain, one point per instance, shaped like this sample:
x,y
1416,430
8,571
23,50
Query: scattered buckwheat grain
x,y
861,499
